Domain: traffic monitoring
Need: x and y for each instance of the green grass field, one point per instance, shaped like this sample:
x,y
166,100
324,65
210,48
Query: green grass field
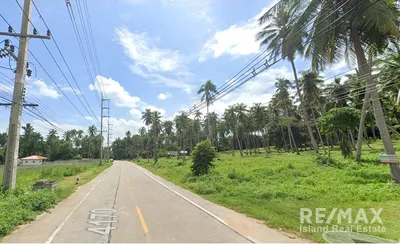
x,y
23,205
274,188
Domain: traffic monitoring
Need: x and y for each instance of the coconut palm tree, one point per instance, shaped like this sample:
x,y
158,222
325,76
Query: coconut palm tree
x,y
368,24
92,131
282,100
156,129
310,86
259,114
231,118
241,119
278,35
146,117
208,91
181,124
142,133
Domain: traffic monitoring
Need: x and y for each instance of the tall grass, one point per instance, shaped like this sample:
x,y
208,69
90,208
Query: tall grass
x,y
274,188
23,204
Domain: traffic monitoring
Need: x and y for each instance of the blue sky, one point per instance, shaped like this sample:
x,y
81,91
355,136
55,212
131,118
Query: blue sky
x,y
152,54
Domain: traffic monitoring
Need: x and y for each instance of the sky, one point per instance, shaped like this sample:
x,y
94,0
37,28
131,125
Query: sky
x,y
151,54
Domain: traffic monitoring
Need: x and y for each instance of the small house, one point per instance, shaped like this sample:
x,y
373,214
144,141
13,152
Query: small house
x,y
33,160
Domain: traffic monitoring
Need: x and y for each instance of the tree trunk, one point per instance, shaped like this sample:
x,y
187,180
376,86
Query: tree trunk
x,y
303,108
233,143
294,142
239,144
362,125
319,133
284,140
290,135
264,142
377,107
353,145
208,124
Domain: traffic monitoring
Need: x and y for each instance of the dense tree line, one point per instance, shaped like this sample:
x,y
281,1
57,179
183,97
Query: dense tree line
x,y
72,144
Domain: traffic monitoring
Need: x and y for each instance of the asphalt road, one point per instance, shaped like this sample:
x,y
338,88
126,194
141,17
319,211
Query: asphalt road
x,y
128,204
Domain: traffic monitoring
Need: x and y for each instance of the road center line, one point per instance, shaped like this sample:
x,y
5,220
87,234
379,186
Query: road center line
x,y
51,238
145,229
127,179
196,205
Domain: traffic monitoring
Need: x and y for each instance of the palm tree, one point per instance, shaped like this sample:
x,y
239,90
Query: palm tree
x,y
197,124
156,129
181,124
259,114
283,101
142,133
92,131
310,82
168,126
365,24
146,117
231,120
208,90
280,38
241,119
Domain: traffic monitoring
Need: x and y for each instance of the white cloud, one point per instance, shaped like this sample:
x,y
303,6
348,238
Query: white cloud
x,y
70,89
164,96
40,88
237,40
159,66
135,113
114,90
140,48
120,126
121,97
43,126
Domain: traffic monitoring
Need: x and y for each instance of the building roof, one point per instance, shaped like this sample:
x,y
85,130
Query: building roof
x,y
37,157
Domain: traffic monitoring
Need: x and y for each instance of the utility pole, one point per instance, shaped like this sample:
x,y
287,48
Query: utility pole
x,y
10,167
105,105
109,134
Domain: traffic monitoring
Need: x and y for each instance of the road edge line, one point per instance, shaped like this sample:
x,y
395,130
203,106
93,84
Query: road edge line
x,y
195,204
52,236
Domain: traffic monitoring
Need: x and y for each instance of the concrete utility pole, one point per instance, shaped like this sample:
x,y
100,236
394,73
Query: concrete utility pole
x,y
10,167
107,108
109,134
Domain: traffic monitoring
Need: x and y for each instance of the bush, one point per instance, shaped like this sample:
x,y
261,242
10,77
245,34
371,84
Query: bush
x,y
202,156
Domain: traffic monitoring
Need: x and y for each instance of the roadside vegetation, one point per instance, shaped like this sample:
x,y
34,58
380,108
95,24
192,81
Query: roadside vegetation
x,y
274,188
23,204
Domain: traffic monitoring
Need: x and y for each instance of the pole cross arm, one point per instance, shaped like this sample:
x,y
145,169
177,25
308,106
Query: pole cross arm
x,y
27,36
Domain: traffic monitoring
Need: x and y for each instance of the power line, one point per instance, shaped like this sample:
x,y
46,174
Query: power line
x,y
254,70
63,58
51,78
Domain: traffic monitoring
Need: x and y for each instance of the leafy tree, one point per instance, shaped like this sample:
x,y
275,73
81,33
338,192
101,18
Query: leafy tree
x,y
202,156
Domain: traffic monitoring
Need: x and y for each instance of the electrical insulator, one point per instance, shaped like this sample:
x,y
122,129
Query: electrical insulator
x,y
29,72
12,48
23,93
35,31
10,29
6,43
27,65
48,33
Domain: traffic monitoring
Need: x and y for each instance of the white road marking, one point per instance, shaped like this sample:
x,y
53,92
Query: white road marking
x,y
51,238
195,204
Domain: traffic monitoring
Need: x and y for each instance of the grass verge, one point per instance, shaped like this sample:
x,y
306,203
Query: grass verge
x,y
274,188
23,204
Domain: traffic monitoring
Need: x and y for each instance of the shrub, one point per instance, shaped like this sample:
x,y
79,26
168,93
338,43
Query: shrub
x,y
202,157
